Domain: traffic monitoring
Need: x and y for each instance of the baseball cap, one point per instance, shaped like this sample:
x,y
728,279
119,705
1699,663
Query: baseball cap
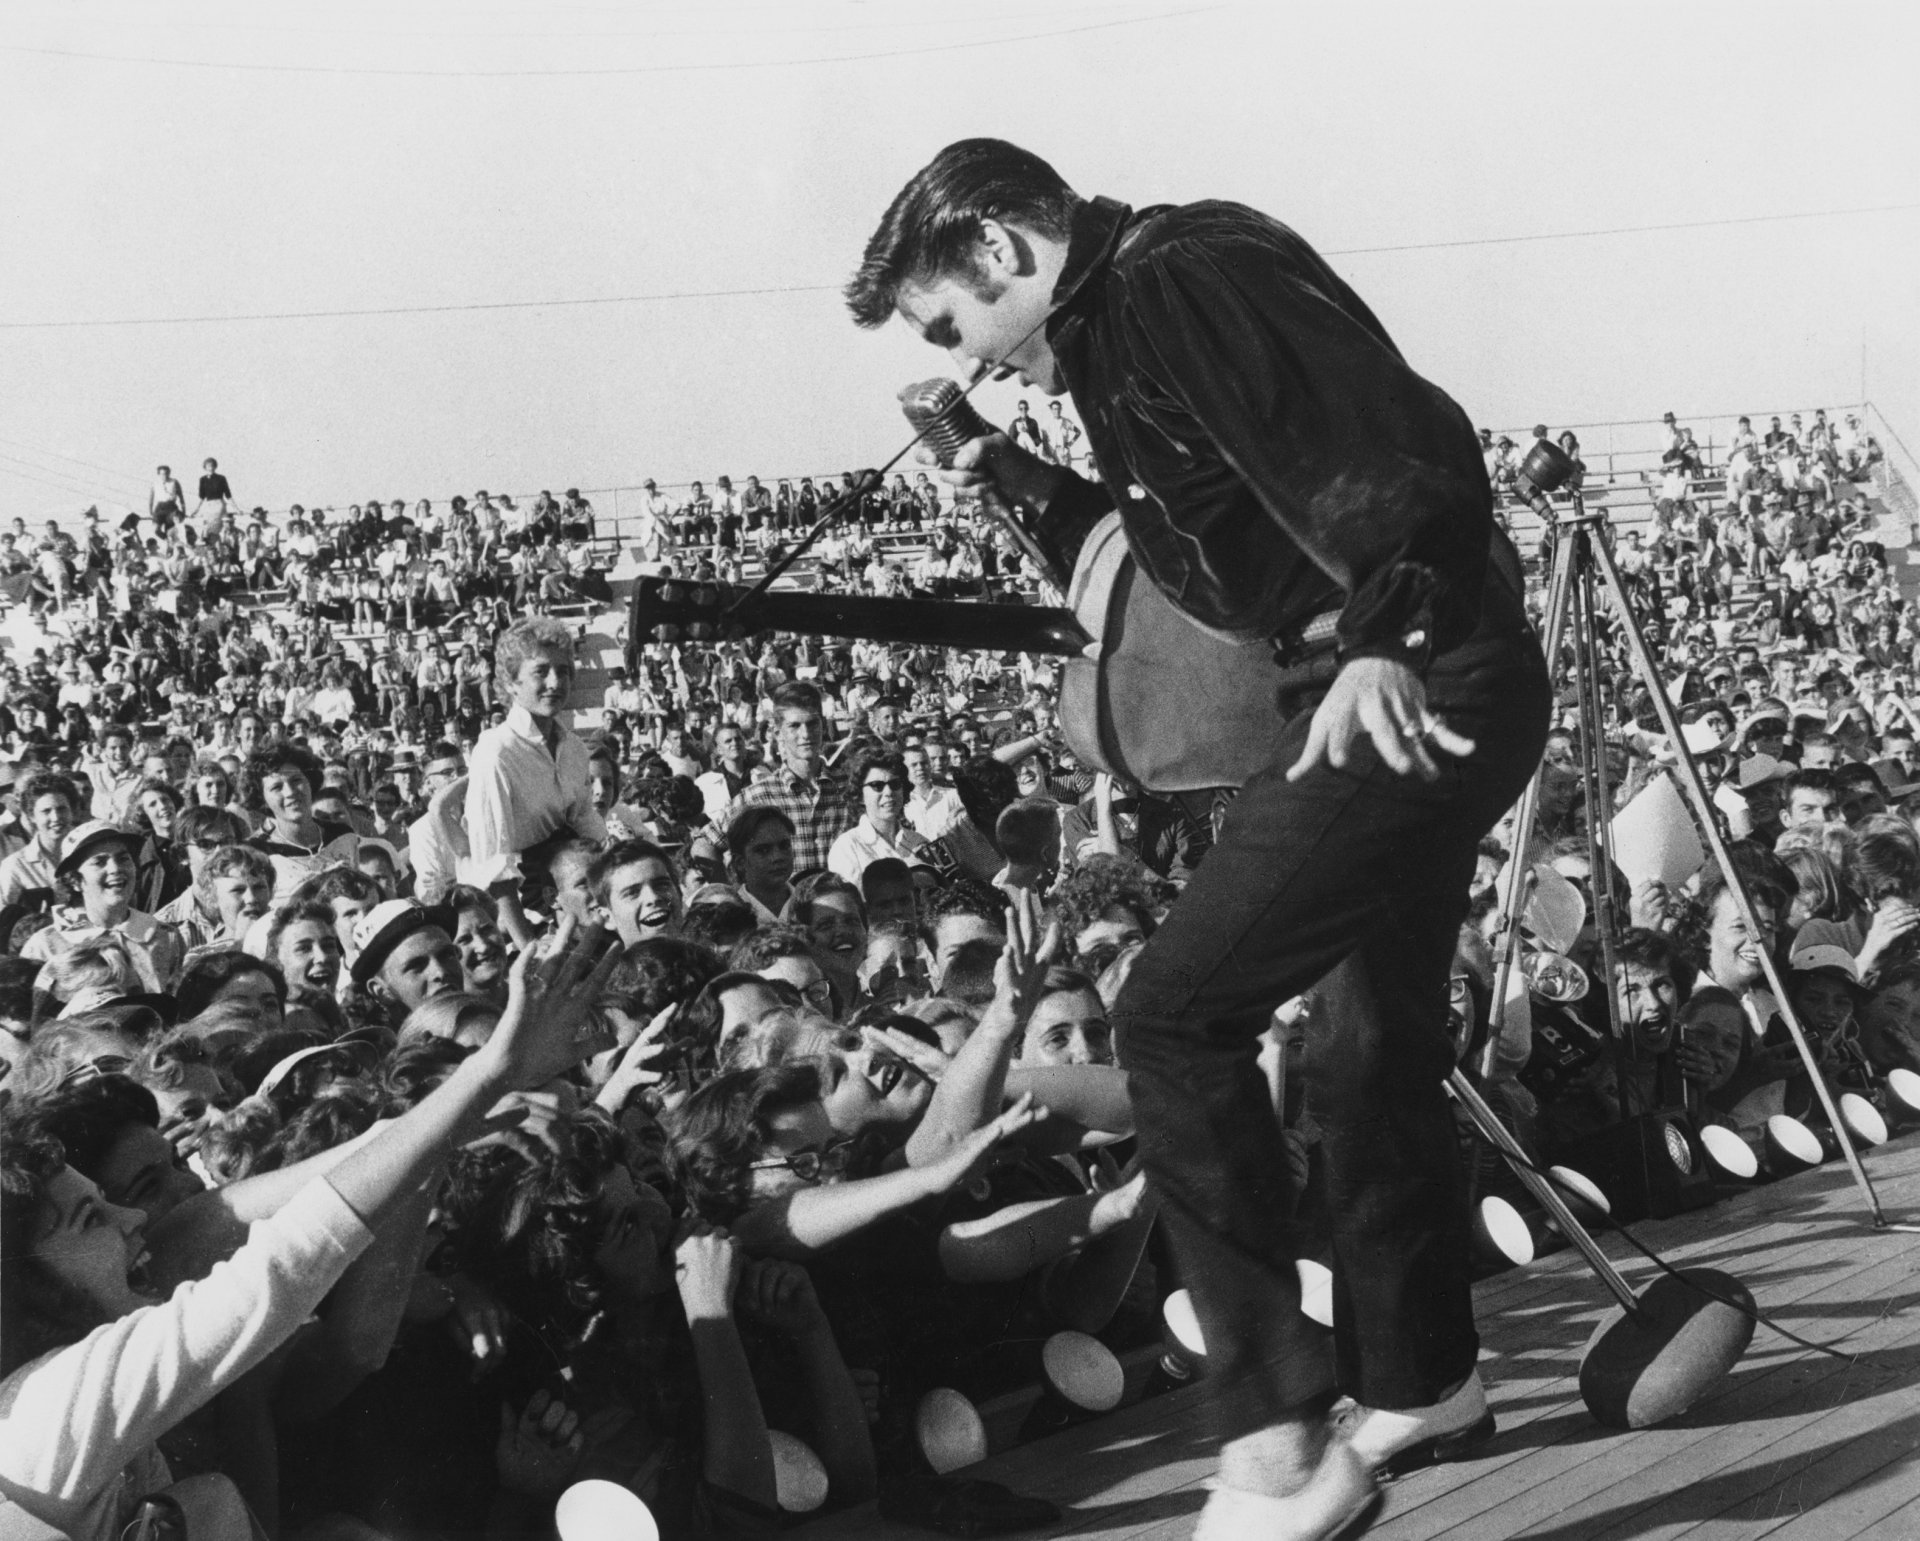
x,y
1806,960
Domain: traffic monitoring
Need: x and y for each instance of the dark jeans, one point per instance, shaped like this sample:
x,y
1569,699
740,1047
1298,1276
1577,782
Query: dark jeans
x,y
1356,881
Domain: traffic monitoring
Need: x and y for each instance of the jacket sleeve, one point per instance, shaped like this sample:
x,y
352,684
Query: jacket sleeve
x,y
1373,472
70,1420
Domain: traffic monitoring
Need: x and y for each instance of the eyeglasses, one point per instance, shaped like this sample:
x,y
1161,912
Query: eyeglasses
x,y
94,1069
811,1165
894,784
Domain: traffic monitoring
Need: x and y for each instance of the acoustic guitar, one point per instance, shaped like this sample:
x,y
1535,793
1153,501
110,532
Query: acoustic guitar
x,y
1144,693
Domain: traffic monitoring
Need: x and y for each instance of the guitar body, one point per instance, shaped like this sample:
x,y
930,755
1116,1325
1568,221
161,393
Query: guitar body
x,y
1165,703
1155,699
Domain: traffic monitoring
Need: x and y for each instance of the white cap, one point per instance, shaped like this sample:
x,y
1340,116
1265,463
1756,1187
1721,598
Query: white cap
x,y
1824,955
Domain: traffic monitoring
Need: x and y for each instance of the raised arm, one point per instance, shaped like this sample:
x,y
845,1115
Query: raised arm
x,y
973,1089
809,1219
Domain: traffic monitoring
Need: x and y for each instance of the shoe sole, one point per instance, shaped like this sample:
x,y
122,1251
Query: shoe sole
x,y
1438,1451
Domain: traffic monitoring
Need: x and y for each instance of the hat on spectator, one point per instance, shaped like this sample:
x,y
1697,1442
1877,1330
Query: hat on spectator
x,y
649,482
1758,769
375,843
356,1054
385,927
1824,955
1811,710
139,1012
90,837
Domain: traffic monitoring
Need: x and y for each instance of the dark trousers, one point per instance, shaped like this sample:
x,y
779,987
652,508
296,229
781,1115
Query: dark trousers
x,y
1355,881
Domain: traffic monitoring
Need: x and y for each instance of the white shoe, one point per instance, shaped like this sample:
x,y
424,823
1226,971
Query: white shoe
x,y
1403,1440
1339,1502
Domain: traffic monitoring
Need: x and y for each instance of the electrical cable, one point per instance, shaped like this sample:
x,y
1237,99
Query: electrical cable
x,y
669,295
1754,1313
606,70
54,454
74,487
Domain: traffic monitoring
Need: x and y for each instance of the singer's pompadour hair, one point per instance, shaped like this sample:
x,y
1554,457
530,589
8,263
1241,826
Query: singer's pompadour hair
x,y
932,227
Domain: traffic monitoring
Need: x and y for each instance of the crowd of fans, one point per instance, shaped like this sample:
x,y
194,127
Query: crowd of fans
x,y
414,1106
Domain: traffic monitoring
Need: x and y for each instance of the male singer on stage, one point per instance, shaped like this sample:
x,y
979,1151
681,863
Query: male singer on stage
x,y
1275,462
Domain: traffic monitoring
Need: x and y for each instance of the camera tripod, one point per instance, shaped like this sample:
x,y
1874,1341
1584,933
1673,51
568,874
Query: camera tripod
x,y
1585,576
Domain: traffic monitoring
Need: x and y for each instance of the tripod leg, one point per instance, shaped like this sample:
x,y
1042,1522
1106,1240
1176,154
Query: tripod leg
x,y
1519,874
1643,662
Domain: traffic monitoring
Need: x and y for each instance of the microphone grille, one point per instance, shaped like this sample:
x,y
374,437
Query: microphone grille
x,y
943,416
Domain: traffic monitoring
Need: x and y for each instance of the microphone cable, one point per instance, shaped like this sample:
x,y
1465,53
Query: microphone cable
x,y
869,481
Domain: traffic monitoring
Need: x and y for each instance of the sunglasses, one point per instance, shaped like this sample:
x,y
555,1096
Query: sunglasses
x,y
811,1165
893,785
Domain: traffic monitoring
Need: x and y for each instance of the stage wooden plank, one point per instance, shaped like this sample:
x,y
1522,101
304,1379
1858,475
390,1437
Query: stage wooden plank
x,y
1794,1444
1587,1466
1903,1524
1864,1508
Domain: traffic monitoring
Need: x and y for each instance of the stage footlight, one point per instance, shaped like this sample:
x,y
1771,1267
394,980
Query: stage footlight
x,y
1731,1156
1791,1147
1180,1329
1643,1367
1316,1291
799,1476
949,1431
1183,1346
1903,1095
1649,1166
595,1510
1502,1234
1083,1371
1581,1194
1864,1122
1080,1377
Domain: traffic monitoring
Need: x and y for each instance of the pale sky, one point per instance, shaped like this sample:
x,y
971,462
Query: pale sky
x,y
195,160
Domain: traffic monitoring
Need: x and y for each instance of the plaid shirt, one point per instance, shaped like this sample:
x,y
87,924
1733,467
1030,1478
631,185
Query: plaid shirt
x,y
822,810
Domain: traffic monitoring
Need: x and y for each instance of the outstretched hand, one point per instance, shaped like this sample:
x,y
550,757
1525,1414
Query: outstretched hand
x,y
551,1022
1383,700
1032,945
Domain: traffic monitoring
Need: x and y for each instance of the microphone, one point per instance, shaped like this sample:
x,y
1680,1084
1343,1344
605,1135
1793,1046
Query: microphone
x,y
940,413
1545,469
943,417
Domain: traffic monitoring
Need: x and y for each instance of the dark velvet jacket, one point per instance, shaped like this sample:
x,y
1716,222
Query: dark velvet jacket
x,y
1272,455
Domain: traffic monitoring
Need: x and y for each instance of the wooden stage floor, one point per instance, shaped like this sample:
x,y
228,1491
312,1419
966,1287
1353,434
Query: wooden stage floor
x,y
1793,1445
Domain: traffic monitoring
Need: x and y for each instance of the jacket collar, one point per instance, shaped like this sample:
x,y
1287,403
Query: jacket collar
x,y
1092,239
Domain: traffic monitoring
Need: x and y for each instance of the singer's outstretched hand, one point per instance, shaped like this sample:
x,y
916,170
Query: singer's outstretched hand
x,y
996,464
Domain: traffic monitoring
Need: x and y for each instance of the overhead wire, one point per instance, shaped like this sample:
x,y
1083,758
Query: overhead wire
x,y
665,296
681,67
72,489
54,454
